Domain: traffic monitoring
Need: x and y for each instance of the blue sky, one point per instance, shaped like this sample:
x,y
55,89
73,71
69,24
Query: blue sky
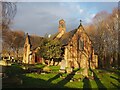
x,y
42,17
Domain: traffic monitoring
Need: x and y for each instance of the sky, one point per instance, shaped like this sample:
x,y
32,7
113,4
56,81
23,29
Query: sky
x,y
40,18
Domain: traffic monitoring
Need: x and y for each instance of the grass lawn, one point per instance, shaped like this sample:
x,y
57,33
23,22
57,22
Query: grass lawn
x,y
103,79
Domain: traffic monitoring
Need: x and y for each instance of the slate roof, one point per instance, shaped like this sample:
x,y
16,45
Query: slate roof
x,y
35,41
65,38
54,36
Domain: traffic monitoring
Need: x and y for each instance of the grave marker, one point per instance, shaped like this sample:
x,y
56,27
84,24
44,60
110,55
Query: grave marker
x,y
62,66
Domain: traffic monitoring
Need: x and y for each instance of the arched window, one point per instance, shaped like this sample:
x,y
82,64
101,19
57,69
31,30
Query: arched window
x,y
81,44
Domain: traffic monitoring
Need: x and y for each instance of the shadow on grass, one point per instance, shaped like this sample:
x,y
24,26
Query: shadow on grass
x,y
117,86
13,76
115,78
29,82
97,80
55,77
66,80
87,84
116,71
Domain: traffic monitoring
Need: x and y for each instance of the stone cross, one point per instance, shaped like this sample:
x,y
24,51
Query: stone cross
x,y
80,22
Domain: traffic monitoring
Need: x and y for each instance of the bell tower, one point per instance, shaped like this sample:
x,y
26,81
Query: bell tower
x,y
62,27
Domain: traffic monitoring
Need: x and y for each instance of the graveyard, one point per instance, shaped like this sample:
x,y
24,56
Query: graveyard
x,y
42,76
49,46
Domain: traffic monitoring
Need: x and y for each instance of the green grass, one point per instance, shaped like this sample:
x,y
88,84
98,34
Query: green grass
x,y
103,78
39,65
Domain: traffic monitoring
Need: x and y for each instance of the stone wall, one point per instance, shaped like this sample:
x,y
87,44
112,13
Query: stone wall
x,y
80,58
26,53
26,50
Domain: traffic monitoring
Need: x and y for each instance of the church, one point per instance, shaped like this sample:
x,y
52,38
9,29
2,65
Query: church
x,y
31,47
76,45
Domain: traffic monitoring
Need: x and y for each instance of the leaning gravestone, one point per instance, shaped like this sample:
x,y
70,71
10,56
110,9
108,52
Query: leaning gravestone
x,y
62,66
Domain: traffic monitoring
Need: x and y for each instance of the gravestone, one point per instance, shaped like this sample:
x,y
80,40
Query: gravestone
x,y
62,66
46,69
69,70
51,63
3,63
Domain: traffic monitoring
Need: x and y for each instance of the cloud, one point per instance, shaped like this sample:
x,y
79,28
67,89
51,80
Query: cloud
x,y
81,10
92,15
89,18
40,18
43,18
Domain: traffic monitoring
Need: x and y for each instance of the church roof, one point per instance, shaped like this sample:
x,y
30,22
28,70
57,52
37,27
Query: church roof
x,y
65,39
53,36
35,41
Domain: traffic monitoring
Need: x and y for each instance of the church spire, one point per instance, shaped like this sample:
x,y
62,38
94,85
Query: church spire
x,y
61,28
27,41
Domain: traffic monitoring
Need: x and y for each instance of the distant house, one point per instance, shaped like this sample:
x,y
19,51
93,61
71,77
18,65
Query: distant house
x,y
76,45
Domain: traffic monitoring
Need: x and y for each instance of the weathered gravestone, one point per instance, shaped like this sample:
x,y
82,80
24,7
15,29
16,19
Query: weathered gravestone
x,y
69,70
47,69
70,67
62,66
3,63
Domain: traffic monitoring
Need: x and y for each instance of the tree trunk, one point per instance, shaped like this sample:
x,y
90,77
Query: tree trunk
x,y
17,54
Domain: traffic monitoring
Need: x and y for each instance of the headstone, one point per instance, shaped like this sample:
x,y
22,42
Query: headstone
x,y
56,63
71,80
3,63
43,73
62,66
77,72
69,70
51,63
79,79
46,69
62,77
92,74
21,81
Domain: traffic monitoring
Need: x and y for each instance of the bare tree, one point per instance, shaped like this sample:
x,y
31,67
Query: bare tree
x,y
13,41
8,13
105,37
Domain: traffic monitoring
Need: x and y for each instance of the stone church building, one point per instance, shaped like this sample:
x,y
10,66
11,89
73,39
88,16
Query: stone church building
x,y
76,45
